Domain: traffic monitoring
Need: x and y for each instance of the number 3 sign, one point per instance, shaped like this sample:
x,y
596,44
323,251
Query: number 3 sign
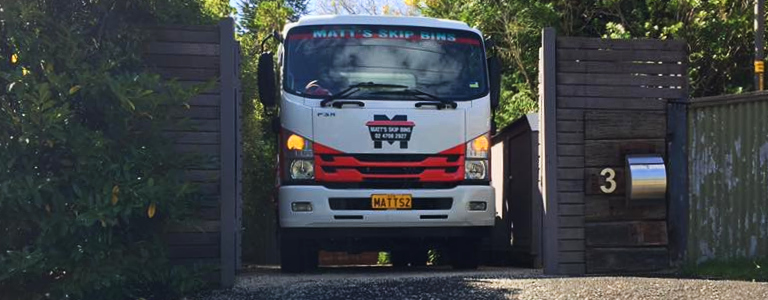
x,y
610,180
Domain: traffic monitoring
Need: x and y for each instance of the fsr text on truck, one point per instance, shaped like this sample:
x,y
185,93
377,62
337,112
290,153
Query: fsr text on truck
x,y
384,138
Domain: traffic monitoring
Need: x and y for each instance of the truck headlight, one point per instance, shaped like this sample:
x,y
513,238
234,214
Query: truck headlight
x,y
475,169
302,169
478,147
297,157
476,163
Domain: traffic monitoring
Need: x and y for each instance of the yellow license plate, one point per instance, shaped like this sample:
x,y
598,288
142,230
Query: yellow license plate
x,y
391,201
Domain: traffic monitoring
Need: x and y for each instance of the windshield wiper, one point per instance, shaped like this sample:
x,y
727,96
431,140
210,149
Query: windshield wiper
x,y
356,87
414,92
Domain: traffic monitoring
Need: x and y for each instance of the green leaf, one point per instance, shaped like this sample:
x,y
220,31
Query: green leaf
x,y
74,89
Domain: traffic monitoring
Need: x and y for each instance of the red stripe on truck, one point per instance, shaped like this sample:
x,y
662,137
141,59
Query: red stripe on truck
x,y
345,167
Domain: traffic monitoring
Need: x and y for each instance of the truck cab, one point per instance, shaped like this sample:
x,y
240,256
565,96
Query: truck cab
x,y
384,135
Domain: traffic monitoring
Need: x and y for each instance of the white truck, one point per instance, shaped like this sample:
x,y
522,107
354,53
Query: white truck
x,y
384,136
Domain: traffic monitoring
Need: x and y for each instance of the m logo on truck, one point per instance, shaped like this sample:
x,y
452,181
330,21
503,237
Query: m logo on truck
x,y
384,129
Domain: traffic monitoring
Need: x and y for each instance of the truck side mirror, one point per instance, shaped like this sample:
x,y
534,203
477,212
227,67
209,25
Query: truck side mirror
x,y
266,79
494,80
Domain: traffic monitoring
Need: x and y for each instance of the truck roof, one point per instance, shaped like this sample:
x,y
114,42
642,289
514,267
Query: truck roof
x,y
379,20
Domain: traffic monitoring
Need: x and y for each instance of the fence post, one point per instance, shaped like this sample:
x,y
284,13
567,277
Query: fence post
x,y
228,144
548,140
677,192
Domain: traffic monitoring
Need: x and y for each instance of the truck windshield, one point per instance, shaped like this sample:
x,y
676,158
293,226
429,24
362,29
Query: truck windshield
x,y
321,61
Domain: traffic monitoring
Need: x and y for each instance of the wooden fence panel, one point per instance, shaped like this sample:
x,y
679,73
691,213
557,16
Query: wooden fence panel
x,y
197,56
609,100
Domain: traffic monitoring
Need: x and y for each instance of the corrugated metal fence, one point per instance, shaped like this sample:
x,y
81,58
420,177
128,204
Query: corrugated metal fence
x,y
728,177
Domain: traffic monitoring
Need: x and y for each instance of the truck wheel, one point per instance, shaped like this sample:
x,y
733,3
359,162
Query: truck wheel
x,y
418,257
399,258
311,256
291,258
465,254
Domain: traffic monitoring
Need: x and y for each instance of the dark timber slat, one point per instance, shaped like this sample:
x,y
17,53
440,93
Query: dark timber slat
x,y
184,36
622,125
192,238
621,55
197,125
570,233
615,208
208,189
571,257
612,153
210,176
570,186
182,48
570,197
205,163
595,103
626,234
571,269
570,114
595,67
570,126
618,91
571,210
205,100
570,161
199,138
619,80
571,221
214,89
185,27
196,112
209,213
182,61
198,227
570,150
570,174
620,44
570,138
626,260
194,251
187,73
205,150
571,245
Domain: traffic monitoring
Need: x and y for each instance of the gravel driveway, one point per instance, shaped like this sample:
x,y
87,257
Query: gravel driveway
x,y
485,283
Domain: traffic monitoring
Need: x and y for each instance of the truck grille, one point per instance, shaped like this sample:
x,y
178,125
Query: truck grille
x,y
447,166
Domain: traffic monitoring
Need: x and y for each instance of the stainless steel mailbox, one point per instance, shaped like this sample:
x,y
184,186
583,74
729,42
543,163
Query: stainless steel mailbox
x,y
646,177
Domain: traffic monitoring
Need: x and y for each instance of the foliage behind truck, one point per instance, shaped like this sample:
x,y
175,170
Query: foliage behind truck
x,y
384,127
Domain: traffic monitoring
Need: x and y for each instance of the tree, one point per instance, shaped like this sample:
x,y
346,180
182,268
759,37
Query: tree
x,y
259,19
89,181
366,7
718,34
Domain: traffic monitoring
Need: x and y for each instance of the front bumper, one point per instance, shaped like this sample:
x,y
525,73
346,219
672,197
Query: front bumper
x,y
322,216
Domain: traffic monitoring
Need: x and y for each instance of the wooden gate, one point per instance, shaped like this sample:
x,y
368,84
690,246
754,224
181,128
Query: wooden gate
x,y
195,55
601,100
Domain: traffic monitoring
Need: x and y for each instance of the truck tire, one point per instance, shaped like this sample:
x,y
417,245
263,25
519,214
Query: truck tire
x,y
465,254
311,256
418,257
399,258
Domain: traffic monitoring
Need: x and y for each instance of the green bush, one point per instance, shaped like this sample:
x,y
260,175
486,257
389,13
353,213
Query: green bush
x,y
88,181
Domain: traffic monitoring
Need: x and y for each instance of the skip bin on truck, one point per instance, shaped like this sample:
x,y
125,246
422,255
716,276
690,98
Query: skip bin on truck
x,y
384,136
